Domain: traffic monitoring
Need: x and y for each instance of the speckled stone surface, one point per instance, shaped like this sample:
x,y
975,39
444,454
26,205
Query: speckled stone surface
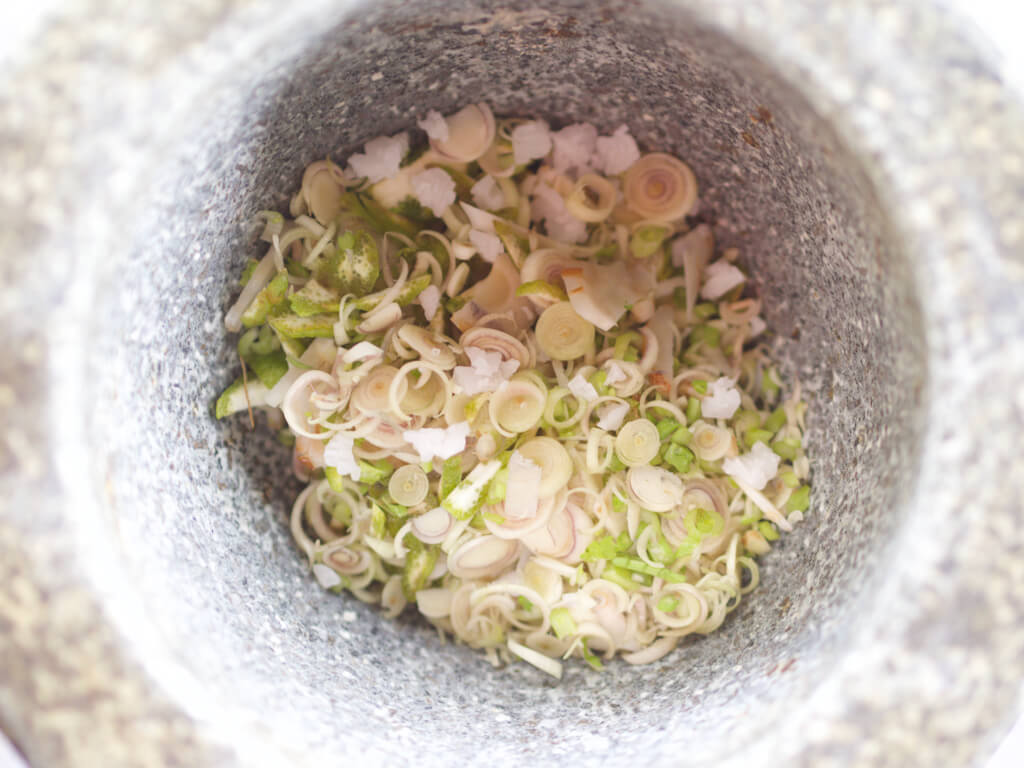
x,y
153,610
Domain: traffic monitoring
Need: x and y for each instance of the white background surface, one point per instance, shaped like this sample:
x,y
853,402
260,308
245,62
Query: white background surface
x,y
996,23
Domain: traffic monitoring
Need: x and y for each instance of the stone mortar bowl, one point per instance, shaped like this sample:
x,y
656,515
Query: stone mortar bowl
x,y
865,157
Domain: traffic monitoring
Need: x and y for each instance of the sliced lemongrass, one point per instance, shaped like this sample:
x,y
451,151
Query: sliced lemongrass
x,y
552,458
562,334
711,443
555,396
557,539
600,450
517,407
536,658
654,488
426,397
470,133
371,394
660,187
431,527
483,557
435,602
432,347
409,485
592,198
637,442
494,340
383,318
761,501
299,403
321,190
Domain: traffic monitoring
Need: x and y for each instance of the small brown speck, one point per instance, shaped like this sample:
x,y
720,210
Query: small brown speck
x,y
787,665
747,137
763,116
795,335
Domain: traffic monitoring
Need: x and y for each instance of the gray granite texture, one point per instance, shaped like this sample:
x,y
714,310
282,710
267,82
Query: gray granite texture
x,y
863,155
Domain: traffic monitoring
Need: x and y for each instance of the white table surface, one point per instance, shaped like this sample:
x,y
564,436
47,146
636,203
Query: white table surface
x,y
997,22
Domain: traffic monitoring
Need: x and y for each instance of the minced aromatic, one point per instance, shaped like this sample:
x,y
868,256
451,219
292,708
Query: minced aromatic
x,y
526,393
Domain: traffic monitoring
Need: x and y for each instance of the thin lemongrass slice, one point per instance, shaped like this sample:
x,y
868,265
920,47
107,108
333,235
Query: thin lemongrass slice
x,y
660,187
518,407
562,334
483,557
371,394
711,443
592,198
654,488
770,510
637,442
409,485
552,458
536,658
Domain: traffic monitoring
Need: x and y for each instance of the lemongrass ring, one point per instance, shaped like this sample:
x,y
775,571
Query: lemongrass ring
x,y
493,340
483,557
321,191
711,443
470,133
599,440
518,407
297,401
409,485
555,396
592,198
660,187
371,394
553,460
637,442
424,398
562,334
398,388
433,348
654,488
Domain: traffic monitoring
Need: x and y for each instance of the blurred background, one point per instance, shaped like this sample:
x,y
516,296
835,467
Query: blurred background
x,y
996,25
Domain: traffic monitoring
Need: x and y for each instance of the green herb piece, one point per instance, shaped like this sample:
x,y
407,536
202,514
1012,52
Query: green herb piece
x,y
646,240
233,399
361,210
250,267
768,530
413,210
624,342
666,427
378,522
776,420
498,487
562,623
616,465
468,496
541,288
606,253
705,310
375,472
693,408
770,383
637,565
313,299
334,479
258,341
667,604
451,474
606,548
682,436
752,436
744,420
295,269
295,327
624,578
790,479
518,247
700,386
787,448
679,297
406,296
706,522
285,437
679,457
525,604
706,334
353,267
419,563
619,506
800,499
590,658
273,293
